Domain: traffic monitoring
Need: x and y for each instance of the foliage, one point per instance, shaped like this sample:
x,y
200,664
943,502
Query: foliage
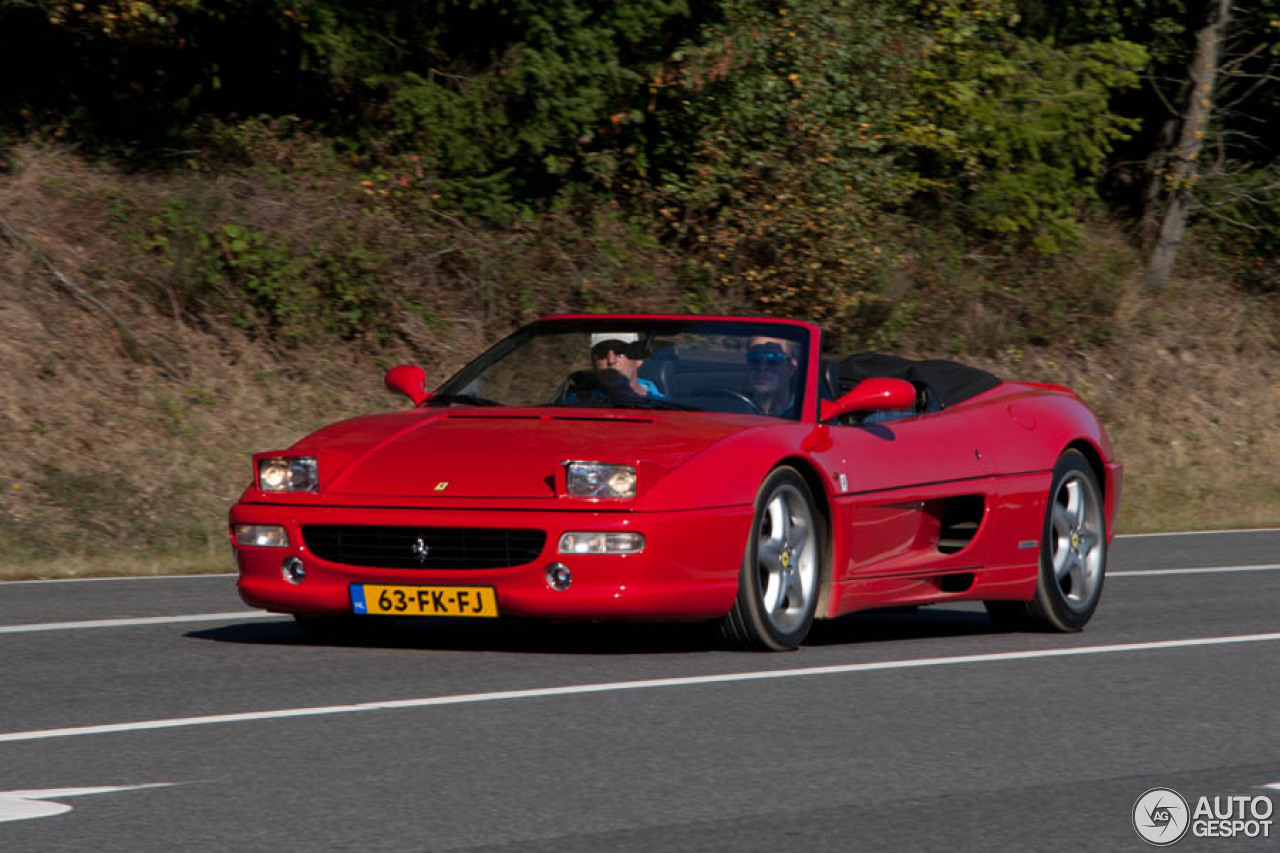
x,y
993,303
282,283
131,75
1242,224
787,147
493,95
1016,131
772,158
299,246
1161,26
1245,130
791,154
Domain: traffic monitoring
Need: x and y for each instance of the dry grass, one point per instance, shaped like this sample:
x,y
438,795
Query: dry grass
x,y
110,465
118,566
105,458
1188,385
1191,395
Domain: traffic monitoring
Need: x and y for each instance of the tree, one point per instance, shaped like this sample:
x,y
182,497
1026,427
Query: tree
x,y
1180,172
1207,143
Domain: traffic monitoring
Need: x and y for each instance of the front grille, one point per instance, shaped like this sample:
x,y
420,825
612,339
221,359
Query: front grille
x,y
446,547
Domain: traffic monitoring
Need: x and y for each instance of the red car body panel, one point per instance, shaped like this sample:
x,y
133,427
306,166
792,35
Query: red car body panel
x,y
888,491
383,457
676,576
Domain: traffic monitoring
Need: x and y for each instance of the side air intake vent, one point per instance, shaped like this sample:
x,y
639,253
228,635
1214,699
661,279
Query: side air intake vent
x,y
961,518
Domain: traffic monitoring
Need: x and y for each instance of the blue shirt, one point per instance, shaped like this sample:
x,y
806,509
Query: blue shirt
x,y
650,389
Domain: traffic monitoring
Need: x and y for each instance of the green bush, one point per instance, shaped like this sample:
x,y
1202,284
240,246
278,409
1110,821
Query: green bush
x,y
1241,225
1013,132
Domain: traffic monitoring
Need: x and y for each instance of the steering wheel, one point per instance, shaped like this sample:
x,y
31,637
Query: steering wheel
x,y
730,394
588,385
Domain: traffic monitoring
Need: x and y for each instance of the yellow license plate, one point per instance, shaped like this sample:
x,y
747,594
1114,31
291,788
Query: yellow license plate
x,y
377,599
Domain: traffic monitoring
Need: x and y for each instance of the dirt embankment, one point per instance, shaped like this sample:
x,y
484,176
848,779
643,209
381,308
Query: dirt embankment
x,y
126,428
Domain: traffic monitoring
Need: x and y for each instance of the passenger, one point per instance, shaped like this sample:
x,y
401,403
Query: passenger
x,y
771,369
621,352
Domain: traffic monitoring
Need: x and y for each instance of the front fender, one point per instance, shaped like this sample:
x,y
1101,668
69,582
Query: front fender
x,y
728,472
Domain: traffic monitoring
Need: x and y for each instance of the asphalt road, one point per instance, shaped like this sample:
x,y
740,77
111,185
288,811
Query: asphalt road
x,y
222,731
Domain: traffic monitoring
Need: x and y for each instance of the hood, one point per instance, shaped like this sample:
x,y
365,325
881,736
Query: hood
x,y
509,453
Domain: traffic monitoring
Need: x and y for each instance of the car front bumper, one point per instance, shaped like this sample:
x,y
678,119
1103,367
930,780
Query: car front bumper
x,y
687,570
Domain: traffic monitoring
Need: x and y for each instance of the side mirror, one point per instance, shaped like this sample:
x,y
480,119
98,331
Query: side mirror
x,y
409,380
872,395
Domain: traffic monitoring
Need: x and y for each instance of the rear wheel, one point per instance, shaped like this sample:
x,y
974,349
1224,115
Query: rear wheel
x,y
1073,555
781,569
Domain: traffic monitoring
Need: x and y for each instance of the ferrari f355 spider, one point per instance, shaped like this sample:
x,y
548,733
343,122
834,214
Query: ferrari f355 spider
x,y
627,467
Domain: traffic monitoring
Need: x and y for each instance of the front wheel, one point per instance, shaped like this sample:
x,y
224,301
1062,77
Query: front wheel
x,y
1073,555
781,569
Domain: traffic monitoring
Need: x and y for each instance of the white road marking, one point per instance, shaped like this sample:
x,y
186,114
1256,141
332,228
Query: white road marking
x,y
141,620
22,805
1201,570
618,686
257,614
1198,532
122,578
234,574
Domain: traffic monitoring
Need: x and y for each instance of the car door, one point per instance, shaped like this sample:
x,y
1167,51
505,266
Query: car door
x,y
912,494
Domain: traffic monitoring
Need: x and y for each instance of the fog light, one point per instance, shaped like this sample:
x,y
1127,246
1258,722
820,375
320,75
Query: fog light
x,y
261,535
558,576
601,542
294,571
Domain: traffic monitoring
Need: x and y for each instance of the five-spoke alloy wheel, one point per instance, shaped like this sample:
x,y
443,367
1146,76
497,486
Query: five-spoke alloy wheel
x,y
782,568
1073,554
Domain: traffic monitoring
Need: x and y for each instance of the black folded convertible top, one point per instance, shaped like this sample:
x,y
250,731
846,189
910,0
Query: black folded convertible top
x,y
950,381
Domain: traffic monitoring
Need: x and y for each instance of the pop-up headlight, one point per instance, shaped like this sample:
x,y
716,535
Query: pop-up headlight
x,y
600,480
288,474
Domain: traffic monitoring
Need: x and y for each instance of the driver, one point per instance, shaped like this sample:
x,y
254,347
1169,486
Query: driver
x,y
621,351
771,369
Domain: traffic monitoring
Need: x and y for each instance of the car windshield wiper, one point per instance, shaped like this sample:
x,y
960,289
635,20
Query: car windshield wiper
x,y
468,399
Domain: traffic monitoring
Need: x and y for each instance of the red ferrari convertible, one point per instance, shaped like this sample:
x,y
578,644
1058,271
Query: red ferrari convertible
x,y
611,467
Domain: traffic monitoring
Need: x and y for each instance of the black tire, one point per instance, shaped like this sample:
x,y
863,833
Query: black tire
x,y
782,569
1073,555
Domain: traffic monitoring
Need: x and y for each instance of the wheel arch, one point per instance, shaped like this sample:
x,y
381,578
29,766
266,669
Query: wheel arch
x,y
822,500
1092,455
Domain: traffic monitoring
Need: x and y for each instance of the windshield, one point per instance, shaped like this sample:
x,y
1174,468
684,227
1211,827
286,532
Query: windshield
x,y
715,366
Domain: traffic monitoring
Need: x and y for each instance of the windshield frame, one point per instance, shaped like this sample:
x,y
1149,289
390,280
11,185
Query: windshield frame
x,y
807,334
